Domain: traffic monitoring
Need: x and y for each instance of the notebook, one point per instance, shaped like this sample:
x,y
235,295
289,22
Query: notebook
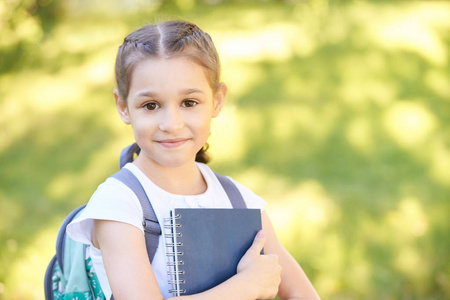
x,y
204,246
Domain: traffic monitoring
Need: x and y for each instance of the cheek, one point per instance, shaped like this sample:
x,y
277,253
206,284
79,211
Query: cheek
x,y
143,126
202,123
200,128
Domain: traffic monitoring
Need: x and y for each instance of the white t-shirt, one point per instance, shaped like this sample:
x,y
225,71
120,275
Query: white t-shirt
x,y
114,201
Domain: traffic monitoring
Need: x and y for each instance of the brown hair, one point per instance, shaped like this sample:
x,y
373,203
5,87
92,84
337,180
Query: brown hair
x,y
166,40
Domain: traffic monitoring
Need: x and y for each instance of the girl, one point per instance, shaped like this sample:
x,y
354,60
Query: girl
x,y
169,89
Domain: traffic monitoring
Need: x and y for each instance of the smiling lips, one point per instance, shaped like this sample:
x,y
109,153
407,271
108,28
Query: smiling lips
x,y
172,143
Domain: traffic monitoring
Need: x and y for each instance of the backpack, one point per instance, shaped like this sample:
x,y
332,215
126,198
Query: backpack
x,y
70,273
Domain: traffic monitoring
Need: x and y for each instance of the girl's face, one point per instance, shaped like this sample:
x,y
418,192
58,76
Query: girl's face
x,y
170,105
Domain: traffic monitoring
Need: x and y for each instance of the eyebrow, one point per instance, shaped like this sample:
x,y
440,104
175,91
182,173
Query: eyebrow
x,y
188,91
145,94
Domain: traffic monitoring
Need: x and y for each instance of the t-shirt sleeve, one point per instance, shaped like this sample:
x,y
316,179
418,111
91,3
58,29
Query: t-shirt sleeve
x,y
251,199
112,201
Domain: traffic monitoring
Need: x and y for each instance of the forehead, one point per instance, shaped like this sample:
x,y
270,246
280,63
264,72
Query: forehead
x,y
175,72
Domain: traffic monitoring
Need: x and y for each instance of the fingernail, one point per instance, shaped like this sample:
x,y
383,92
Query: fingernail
x,y
260,233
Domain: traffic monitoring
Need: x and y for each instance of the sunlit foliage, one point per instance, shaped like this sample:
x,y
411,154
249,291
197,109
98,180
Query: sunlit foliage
x,y
337,114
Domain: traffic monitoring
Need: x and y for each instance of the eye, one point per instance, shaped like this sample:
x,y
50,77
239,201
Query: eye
x,y
189,103
151,106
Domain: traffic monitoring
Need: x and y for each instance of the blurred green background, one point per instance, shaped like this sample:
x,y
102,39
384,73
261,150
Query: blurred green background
x,y
338,114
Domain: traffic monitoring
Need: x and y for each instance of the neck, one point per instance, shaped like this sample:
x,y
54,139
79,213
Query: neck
x,y
182,180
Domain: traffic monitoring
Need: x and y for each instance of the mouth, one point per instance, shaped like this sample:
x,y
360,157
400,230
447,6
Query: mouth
x,y
172,143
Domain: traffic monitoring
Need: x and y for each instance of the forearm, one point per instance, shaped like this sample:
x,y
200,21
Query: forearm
x,y
295,285
294,282
237,288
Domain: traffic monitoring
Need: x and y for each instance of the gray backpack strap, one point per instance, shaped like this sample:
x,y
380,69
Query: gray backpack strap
x,y
150,222
127,154
236,199
152,229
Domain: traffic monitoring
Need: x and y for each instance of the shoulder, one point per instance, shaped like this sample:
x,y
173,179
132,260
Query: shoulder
x,y
112,201
251,199
113,197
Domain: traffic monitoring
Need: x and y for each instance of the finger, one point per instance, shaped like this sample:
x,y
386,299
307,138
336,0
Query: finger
x,y
273,256
258,242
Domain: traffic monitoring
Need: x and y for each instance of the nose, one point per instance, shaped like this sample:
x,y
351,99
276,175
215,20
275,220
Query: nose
x,y
171,121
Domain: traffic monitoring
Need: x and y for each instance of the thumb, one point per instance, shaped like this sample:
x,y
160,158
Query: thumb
x,y
258,242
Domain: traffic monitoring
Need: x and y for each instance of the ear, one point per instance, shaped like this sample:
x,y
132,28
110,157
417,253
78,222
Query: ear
x,y
219,99
122,107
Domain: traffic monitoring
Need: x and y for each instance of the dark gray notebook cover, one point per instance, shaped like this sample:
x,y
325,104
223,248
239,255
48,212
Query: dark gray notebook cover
x,y
212,243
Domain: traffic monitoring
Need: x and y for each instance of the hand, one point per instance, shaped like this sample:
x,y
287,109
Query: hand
x,y
262,272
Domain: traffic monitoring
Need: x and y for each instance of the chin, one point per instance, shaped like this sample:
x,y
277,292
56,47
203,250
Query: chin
x,y
175,163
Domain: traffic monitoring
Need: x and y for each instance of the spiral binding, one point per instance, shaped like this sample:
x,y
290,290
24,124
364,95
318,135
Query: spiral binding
x,y
171,264
182,291
173,253
179,244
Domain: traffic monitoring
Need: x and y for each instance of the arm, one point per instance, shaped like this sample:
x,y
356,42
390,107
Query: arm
x,y
127,266
131,277
294,282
